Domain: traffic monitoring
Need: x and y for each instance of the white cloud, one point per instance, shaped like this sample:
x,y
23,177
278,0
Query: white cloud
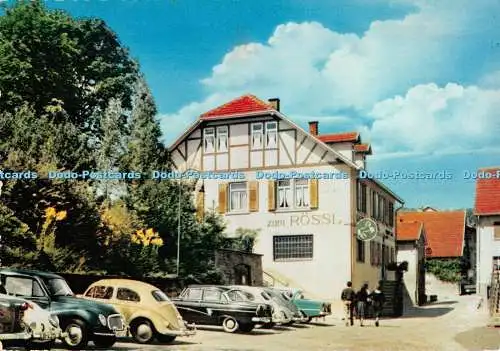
x,y
318,72
437,120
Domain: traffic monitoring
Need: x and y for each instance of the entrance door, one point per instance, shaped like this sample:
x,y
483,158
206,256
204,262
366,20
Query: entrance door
x,y
242,274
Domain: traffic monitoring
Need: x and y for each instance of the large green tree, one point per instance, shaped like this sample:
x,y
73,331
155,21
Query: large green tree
x,y
47,54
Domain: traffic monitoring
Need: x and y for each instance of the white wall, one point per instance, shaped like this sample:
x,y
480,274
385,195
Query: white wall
x,y
326,274
487,248
408,252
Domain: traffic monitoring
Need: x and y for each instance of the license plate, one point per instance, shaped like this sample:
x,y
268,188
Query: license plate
x,y
121,333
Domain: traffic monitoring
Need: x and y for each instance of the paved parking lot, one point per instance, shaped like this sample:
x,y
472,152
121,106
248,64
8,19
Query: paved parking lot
x,y
454,323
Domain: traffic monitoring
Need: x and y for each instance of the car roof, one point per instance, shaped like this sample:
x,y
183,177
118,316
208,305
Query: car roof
x,y
40,274
221,287
126,283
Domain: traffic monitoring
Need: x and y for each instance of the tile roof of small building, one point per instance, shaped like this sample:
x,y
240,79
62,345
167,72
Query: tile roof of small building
x,y
339,137
237,107
444,231
408,231
487,200
365,148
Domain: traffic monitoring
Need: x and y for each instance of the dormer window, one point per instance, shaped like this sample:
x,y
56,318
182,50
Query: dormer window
x,y
222,137
271,135
209,140
257,136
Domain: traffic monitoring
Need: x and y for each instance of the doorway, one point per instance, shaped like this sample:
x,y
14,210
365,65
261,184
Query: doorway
x,y
242,274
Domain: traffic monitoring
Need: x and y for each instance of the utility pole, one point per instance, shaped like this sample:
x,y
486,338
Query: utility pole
x,y
178,228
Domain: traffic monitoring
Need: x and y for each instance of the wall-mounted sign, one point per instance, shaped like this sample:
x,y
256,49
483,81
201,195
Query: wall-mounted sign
x,y
299,220
366,229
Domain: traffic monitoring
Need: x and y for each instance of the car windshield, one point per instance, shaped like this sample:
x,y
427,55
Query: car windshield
x,y
160,296
58,287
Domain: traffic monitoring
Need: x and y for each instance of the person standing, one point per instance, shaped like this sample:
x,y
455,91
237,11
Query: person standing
x,y
347,296
362,300
378,300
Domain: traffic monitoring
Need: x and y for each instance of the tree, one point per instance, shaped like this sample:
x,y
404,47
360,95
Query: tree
x,y
145,152
111,147
47,54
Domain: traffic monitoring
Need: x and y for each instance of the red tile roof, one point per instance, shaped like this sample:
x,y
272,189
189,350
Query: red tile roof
x,y
339,137
488,192
366,148
408,231
444,231
243,104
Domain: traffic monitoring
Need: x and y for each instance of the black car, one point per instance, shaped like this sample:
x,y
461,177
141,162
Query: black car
x,y
81,320
217,305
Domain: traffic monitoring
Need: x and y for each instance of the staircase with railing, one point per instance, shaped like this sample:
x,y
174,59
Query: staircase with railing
x,y
272,281
494,298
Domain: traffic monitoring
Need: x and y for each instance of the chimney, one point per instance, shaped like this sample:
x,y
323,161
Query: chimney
x,y
275,103
313,127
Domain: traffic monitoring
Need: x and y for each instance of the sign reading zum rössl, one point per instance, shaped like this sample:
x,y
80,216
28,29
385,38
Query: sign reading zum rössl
x,y
366,229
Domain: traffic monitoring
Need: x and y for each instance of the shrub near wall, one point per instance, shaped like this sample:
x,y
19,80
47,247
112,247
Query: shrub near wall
x,y
445,269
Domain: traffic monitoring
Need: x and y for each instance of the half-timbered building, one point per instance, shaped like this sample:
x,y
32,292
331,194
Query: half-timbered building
x,y
300,190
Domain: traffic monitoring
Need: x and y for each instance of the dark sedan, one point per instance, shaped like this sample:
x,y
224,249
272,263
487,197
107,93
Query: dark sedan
x,y
224,306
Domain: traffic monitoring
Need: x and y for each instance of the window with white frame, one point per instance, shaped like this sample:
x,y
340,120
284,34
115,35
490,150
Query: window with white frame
x,y
292,247
238,197
222,138
301,193
271,135
284,190
257,136
209,140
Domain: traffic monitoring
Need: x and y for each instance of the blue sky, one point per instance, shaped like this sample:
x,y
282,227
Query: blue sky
x,y
419,79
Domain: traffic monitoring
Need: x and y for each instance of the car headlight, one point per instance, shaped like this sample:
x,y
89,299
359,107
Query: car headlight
x,y
102,319
54,321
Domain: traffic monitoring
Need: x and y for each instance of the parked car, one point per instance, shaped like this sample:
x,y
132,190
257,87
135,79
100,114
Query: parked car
x,y
281,313
298,315
218,305
27,324
81,320
146,309
311,308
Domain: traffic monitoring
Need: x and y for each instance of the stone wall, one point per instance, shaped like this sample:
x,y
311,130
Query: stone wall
x,y
240,268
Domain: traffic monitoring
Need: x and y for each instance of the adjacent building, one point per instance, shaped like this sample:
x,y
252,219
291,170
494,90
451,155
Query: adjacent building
x,y
445,232
487,210
411,243
298,188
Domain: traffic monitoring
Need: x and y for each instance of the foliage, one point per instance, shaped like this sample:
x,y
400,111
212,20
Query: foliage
x,y
245,239
47,54
73,100
448,270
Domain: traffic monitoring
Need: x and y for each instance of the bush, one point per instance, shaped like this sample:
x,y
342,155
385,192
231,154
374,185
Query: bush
x,y
447,270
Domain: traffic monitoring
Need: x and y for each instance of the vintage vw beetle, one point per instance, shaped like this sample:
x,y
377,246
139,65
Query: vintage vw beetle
x,y
146,309
81,320
220,305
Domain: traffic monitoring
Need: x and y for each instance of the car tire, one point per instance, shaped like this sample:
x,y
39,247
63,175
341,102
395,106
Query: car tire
x,y
142,331
165,338
246,328
78,336
104,342
230,325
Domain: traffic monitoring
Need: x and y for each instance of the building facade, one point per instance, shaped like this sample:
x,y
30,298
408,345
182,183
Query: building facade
x,y
411,243
299,189
487,210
